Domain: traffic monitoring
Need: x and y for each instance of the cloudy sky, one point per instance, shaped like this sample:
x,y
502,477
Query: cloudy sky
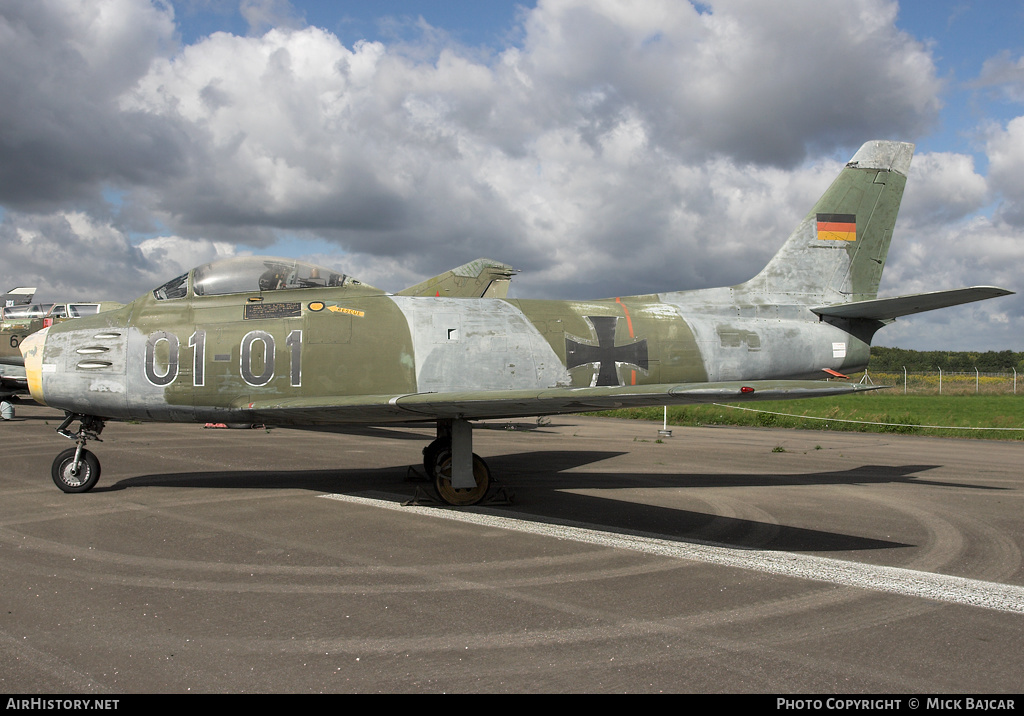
x,y
603,147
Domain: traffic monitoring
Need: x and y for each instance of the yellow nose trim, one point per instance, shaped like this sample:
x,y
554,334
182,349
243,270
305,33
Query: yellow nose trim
x,y
32,351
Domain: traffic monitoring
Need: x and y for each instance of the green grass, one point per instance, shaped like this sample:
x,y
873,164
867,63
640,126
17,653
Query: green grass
x,y
875,412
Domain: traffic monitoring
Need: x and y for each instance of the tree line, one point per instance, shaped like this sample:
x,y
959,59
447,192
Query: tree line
x,y
894,360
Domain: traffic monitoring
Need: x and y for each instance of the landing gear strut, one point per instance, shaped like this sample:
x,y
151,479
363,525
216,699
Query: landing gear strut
x,y
76,469
460,477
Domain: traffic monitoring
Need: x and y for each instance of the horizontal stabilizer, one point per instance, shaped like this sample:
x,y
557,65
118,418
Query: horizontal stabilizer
x,y
886,309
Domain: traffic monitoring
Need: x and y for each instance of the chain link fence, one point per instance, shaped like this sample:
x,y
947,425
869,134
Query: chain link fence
x,y
948,383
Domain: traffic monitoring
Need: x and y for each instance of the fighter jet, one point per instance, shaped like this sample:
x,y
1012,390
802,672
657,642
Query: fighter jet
x,y
17,314
12,371
282,342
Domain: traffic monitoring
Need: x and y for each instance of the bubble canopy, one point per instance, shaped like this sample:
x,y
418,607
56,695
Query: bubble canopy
x,y
251,274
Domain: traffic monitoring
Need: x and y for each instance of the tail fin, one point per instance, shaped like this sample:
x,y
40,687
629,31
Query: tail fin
x,y
482,278
17,297
837,252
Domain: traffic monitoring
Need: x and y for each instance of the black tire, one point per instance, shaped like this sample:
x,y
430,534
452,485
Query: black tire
x,y
88,471
466,496
432,452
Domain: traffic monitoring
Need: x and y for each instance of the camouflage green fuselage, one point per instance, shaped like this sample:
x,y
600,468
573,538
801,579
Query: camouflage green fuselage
x,y
211,357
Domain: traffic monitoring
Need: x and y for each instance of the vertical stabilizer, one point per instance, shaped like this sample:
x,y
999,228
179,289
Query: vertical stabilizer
x,y
17,297
483,278
837,252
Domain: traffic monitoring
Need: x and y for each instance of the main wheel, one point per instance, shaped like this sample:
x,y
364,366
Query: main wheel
x,y
68,479
432,454
461,497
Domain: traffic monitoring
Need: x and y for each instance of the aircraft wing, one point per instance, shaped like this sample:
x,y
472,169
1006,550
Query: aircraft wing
x,y
886,309
478,405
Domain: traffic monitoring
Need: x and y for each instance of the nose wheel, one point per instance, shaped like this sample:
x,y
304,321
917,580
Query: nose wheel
x,y
76,469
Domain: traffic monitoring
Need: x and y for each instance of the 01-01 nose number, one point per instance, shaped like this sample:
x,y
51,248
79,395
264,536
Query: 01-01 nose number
x,y
257,352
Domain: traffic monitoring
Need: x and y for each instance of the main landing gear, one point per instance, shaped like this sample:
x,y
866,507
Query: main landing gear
x,y
76,469
461,478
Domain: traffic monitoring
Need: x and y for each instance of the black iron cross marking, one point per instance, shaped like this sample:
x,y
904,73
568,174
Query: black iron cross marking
x,y
605,353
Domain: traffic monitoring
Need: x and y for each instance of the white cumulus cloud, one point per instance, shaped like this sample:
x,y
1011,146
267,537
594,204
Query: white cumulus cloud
x,y
617,147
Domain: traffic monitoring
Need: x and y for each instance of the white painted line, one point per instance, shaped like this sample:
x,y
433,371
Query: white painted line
x,y
895,580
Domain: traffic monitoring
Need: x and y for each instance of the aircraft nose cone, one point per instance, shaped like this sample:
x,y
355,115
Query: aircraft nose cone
x,y
32,352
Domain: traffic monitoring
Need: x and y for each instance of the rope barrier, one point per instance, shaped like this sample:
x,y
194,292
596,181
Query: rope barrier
x,y
859,422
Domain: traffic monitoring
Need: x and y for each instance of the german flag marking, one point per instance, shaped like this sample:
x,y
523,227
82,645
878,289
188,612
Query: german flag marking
x,y
837,227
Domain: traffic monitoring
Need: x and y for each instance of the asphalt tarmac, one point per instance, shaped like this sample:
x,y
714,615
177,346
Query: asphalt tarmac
x,y
717,560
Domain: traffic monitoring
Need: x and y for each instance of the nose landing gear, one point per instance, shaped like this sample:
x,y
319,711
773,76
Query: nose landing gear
x,y
76,469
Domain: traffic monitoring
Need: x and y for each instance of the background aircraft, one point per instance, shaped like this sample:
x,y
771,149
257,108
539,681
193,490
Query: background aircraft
x,y
483,278
282,342
17,302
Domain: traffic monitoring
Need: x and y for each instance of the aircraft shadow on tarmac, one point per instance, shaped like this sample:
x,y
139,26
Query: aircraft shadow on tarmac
x,y
546,493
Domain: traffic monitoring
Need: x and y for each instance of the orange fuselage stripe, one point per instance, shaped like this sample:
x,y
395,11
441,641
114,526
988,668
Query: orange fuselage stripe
x,y
629,325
